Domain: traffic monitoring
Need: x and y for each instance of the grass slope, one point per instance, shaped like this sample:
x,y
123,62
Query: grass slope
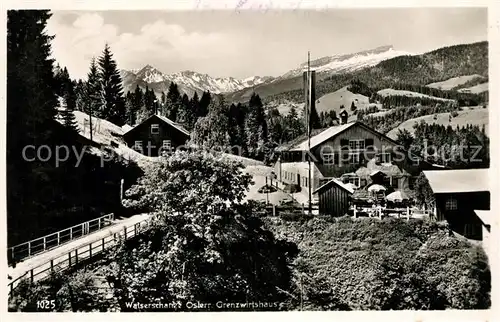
x,y
476,116
480,88
343,96
391,92
454,82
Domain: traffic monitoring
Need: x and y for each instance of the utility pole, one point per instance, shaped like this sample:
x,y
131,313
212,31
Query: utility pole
x,y
90,121
308,106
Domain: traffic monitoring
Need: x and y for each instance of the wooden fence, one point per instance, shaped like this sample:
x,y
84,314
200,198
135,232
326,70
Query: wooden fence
x,y
51,241
79,254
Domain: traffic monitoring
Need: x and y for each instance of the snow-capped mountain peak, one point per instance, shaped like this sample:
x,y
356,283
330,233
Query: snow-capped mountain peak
x,y
342,63
188,81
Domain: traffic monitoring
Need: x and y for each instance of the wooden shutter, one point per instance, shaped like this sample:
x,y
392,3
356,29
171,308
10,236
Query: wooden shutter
x,y
369,143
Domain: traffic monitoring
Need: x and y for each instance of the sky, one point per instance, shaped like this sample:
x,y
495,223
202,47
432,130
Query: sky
x,y
245,43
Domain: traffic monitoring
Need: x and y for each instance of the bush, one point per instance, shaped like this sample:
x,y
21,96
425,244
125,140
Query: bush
x,y
391,264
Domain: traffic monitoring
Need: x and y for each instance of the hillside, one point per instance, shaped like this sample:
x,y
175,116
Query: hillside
x,y
391,92
435,66
454,82
104,133
476,89
324,67
344,63
476,116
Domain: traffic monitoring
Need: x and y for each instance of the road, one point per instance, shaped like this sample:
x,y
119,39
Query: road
x,y
42,258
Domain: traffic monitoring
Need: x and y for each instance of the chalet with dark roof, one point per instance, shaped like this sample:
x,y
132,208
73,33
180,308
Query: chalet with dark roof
x,y
156,135
352,148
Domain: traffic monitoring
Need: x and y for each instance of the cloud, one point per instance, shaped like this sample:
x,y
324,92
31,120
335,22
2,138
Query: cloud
x,y
76,43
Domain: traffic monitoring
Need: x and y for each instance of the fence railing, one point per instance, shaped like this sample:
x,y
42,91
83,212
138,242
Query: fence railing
x,y
78,254
53,240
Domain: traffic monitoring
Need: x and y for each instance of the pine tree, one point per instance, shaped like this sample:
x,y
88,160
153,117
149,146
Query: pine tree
x,y
130,110
70,95
173,102
80,95
94,95
68,117
256,126
195,106
205,100
138,98
31,98
212,131
114,108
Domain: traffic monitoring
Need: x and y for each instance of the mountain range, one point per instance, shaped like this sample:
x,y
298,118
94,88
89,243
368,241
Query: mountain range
x,y
190,82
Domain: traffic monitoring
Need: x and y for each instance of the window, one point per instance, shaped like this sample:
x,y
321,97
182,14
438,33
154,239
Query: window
x,y
167,145
357,145
155,128
394,182
138,145
451,204
353,158
329,158
385,157
356,181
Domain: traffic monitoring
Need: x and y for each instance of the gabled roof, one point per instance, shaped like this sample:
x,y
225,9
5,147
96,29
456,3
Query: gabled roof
x,y
336,182
323,136
175,125
485,216
457,181
333,131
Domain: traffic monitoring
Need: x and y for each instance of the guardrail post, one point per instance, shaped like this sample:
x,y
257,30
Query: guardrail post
x,y
83,229
302,208
29,249
71,233
44,243
99,223
69,259
31,276
76,256
274,210
58,238
103,244
407,213
90,250
52,265
355,212
125,232
135,229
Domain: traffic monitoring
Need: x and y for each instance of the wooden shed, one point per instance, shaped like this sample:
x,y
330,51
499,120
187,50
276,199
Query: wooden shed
x,y
334,198
459,194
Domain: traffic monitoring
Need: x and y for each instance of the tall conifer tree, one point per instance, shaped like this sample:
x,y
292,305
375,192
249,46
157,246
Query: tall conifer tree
x,y
114,108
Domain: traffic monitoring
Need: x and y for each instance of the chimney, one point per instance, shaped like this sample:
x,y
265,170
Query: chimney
x,y
343,117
